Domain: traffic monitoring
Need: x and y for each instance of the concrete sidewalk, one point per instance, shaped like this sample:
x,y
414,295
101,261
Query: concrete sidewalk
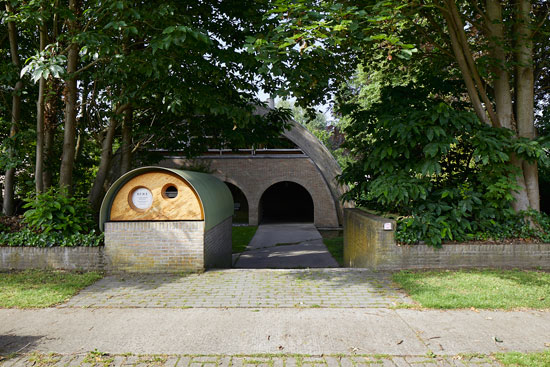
x,y
251,331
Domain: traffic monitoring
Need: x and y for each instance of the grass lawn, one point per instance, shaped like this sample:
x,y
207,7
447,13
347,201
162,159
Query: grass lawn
x,y
516,359
241,236
41,288
335,246
483,289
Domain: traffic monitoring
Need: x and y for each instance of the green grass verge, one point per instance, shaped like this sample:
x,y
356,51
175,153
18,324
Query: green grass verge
x,y
41,288
540,359
335,246
483,289
241,237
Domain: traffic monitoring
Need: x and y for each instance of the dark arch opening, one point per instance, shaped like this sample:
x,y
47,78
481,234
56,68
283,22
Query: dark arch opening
x,y
240,204
286,202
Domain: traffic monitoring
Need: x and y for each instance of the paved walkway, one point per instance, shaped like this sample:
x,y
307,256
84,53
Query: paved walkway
x,y
334,288
247,361
322,331
286,246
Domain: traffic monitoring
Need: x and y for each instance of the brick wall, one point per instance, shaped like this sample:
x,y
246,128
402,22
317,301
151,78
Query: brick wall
x,y
365,240
63,258
256,174
367,245
154,246
217,245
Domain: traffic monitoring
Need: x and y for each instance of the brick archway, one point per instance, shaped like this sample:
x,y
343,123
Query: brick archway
x,y
286,201
240,203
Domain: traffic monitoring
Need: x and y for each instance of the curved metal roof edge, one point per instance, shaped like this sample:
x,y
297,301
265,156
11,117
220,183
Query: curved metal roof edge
x,y
321,157
217,204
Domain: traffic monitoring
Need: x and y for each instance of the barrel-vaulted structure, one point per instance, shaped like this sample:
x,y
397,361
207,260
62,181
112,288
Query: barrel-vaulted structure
x,y
158,219
293,182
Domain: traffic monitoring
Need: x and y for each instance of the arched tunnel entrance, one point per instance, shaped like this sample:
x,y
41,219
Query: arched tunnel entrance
x,y
286,202
240,204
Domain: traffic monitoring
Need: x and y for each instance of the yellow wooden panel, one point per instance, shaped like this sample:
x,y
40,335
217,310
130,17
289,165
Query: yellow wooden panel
x,y
185,206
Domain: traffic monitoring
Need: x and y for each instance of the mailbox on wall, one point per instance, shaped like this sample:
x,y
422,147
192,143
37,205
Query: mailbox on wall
x,y
165,220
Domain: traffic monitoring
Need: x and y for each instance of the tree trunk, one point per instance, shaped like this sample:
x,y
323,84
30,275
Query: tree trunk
x,y
458,51
525,86
39,167
8,206
50,112
50,119
49,134
126,149
83,113
71,96
502,86
503,95
96,194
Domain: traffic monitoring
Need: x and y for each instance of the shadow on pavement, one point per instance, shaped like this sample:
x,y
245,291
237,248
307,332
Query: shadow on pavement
x,y
10,344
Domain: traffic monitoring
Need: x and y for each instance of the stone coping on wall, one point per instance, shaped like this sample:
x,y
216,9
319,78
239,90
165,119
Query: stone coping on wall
x,y
368,245
61,258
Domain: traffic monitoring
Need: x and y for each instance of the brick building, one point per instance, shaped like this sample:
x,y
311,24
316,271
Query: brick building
x,y
294,183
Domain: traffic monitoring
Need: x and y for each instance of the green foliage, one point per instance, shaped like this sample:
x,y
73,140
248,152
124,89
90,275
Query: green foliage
x,y
29,238
4,228
316,122
55,211
447,174
44,64
323,42
126,57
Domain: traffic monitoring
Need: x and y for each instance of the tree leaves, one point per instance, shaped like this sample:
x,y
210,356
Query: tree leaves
x,y
44,64
448,173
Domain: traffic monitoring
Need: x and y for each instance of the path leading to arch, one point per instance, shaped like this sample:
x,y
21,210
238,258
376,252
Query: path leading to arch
x,y
286,246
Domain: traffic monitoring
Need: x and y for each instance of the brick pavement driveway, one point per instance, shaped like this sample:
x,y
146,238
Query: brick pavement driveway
x,y
99,360
339,288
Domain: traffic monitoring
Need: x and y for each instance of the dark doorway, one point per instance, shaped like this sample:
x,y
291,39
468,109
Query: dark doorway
x,y
240,204
286,202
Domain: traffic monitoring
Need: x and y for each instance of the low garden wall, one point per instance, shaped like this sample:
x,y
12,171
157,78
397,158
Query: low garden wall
x,y
65,258
368,245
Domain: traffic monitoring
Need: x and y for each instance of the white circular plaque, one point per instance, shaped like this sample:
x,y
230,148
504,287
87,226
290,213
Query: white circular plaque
x,y
142,198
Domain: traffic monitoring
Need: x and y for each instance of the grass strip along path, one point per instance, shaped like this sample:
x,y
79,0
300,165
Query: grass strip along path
x,y
335,246
241,236
540,359
41,288
480,289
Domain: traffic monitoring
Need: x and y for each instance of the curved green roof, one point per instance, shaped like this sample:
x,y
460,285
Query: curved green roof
x,y
215,197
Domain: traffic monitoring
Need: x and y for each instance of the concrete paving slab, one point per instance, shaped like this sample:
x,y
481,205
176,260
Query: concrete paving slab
x,y
456,331
209,331
311,254
271,331
286,246
269,235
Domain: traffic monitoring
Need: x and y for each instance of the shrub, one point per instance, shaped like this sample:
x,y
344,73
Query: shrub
x,y
438,167
27,237
55,211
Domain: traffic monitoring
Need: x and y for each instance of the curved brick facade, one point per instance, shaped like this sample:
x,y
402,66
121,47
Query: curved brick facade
x,y
255,174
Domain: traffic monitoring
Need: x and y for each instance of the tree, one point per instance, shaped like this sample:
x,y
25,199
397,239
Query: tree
x,y
112,79
8,204
491,43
